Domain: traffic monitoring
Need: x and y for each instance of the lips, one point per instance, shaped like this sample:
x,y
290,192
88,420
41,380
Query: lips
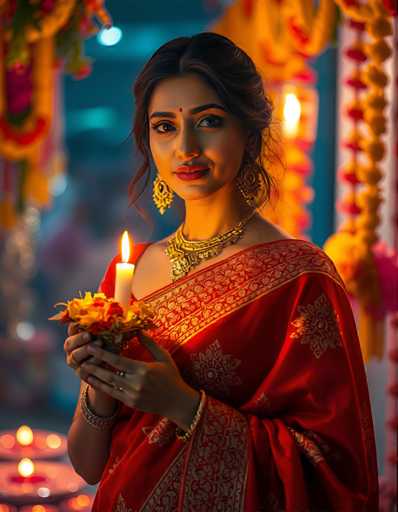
x,y
191,168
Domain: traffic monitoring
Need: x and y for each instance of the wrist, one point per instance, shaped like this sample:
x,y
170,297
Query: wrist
x,y
186,408
101,403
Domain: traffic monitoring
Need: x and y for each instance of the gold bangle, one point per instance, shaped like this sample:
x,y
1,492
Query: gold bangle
x,y
93,419
184,436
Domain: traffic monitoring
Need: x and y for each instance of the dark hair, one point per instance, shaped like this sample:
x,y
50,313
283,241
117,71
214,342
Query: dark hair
x,y
229,71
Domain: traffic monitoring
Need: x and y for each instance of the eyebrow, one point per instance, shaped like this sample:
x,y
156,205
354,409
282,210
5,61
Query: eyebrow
x,y
194,110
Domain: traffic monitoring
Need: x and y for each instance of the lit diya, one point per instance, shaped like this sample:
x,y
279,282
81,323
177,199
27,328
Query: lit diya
x,y
37,444
27,482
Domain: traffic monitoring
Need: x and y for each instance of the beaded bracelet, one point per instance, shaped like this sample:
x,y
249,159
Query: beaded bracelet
x,y
185,436
93,419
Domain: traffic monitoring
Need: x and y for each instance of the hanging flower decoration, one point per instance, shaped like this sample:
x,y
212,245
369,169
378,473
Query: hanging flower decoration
x,y
363,172
37,39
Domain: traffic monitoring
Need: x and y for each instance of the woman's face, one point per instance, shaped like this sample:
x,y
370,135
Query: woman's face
x,y
189,125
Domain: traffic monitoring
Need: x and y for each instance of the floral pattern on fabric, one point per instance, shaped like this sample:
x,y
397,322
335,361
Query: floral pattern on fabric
x,y
215,371
161,433
317,326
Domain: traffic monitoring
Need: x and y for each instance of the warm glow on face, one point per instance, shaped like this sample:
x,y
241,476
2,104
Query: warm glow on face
x,y
24,435
53,441
291,114
125,247
26,467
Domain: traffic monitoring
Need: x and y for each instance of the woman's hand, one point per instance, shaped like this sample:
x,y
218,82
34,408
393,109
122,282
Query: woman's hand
x,y
76,350
156,387
76,346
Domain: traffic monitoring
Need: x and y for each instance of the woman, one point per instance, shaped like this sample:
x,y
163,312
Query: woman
x,y
250,394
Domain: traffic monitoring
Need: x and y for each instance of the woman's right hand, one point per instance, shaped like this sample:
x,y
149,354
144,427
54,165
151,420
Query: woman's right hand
x,y
75,348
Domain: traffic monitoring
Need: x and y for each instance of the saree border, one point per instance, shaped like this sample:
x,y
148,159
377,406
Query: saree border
x,y
191,306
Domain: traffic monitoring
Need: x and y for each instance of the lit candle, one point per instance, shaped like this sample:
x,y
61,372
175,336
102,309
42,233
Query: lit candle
x,y
24,435
37,444
80,503
27,483
38,508
26,473
124,274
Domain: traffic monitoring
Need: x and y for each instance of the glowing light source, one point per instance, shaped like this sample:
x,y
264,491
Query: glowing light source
x,y
24,435
125,247
291,114
25,331
26,467
110,36
53,441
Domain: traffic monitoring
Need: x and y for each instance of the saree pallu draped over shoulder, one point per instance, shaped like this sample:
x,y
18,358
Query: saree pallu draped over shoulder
x,y
269,334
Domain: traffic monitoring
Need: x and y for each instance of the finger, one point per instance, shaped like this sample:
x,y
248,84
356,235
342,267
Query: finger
x,y
158,352
119,362
106,376
115,392
76,340
73,328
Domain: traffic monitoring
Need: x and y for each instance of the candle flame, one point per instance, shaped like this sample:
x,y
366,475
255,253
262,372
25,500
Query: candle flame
x,y
38,508
24,435
26,467
291,114
125,247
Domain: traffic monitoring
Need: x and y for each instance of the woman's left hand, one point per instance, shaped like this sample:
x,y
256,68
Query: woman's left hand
x,y
155,387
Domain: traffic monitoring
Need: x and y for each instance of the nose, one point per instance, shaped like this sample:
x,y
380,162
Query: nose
x,y
187,144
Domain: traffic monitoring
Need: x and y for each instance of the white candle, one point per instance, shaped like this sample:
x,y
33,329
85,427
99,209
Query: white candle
x,y
124,274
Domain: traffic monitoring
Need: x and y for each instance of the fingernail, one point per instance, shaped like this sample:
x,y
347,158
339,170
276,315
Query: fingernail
x,y
98,343
86,336
91,349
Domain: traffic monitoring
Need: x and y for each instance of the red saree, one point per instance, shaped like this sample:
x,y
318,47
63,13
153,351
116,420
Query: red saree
x,y
269,334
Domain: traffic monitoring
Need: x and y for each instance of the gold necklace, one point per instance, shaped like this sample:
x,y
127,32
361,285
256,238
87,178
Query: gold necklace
x,y
186,254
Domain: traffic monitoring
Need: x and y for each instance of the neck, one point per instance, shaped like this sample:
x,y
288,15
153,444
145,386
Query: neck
x,y
213,215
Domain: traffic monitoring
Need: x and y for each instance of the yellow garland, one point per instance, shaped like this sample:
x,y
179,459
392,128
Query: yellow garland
x,y
52,22
43,55
357,265
317,25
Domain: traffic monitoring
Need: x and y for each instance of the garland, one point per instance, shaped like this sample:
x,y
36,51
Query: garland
x,y
352,247
35,38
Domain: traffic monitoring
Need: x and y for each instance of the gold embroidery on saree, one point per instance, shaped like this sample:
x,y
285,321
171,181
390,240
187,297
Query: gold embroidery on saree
x,y
188,307
317,325
217,468
215,371
307,446
161,433
164,497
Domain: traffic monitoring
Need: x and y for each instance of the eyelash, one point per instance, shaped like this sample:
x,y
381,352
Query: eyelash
x,y
212,117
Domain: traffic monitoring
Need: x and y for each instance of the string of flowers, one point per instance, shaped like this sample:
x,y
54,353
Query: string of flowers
x,y
352,247
35,39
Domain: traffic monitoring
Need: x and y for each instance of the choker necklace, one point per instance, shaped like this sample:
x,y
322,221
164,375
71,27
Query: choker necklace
x,y
187,254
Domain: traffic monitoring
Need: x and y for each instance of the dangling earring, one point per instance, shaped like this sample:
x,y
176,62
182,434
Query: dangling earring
x,y
162,195
251,184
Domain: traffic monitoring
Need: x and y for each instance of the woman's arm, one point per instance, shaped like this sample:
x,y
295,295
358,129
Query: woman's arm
x,y
88,448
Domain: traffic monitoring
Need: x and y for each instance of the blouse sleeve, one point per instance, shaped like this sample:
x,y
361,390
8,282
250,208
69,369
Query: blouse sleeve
x,y
304,440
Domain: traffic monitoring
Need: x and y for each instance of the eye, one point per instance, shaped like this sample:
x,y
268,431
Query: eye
x,y
158,129
212,120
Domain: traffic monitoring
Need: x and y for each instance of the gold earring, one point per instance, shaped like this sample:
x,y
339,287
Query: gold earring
x,y
162,195
251,184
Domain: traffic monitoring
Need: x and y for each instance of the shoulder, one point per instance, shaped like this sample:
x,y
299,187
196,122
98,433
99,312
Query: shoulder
x,y
301,257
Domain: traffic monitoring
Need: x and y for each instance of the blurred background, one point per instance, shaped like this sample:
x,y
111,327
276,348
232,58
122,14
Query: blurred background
x,y
60,229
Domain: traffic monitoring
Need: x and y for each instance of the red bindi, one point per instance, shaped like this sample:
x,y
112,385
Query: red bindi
x,y
180,109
